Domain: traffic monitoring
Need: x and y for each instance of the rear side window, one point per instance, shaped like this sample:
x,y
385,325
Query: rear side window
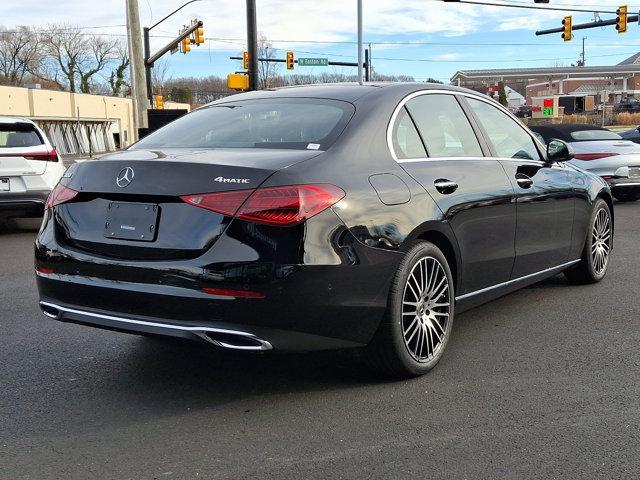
x,y
19,135
509,138
305,123
406,141
444,127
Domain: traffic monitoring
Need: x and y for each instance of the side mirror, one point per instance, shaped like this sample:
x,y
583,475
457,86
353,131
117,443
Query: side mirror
x,y
559,151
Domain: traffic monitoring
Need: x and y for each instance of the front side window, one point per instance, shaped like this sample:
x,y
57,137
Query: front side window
x,y
509,139
305,123
444,127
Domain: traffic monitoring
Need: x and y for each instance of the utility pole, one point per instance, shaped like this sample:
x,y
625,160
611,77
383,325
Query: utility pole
x,y
583,59
360,42
370,63
252,44
137,67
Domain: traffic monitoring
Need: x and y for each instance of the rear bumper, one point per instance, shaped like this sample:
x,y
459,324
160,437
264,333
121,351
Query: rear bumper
x,y
624,185
23,204
334,297
221,337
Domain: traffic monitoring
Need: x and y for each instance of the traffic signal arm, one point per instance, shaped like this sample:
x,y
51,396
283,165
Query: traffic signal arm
x,y
584,26
173,43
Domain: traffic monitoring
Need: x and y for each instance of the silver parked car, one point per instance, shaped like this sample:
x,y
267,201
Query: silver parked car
x,y
602,152
29,168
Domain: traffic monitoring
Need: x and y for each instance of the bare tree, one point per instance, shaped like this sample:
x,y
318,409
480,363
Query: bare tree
x,y
19,54
74,58
266,70
118,76
160,75
100,53
65,45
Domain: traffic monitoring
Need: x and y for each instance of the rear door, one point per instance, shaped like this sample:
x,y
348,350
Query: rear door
x,y
435,143
544,194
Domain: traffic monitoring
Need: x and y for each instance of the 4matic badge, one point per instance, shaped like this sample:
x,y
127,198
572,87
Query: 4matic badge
x,y
231,180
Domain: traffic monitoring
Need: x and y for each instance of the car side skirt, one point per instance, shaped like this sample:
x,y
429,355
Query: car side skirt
x,y
473,299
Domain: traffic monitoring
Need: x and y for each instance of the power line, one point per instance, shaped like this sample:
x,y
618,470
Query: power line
x,y
528,7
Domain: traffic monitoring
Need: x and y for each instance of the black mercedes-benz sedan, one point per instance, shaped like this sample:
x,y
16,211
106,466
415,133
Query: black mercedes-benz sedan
x,y
320,217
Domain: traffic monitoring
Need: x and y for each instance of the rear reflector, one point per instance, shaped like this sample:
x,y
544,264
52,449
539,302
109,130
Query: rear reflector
x,y
226,292
60,194
593,156
44,270
282,206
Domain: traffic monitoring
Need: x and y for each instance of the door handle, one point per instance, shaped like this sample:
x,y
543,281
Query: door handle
x,y
445,186
523,180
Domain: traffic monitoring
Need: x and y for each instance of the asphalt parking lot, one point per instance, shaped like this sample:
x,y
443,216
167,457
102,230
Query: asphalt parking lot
x,y
543,383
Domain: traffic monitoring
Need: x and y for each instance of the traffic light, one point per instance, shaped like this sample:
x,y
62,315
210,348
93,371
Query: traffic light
x,y
199,35
238,81
159,102
566,23
290,61
621,19
186,45
245,60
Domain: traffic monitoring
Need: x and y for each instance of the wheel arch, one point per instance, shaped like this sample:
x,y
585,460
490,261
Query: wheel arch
x,y
442,237
606,196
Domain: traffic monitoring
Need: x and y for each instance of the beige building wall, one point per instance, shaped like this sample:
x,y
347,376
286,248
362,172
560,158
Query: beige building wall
x,y
53,105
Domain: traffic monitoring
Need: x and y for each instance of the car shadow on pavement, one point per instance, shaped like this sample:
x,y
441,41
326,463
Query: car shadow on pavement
x,y
181,370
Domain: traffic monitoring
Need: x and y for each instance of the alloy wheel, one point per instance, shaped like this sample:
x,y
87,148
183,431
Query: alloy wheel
x,y
426,308
601,241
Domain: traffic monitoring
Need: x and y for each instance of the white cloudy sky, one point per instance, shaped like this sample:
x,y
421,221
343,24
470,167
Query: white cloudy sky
x,y
461,36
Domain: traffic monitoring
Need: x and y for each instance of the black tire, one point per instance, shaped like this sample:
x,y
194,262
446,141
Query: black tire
x,y
388,352
627,197
588,270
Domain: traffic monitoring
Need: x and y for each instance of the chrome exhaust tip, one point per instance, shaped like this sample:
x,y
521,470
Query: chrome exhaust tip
x,y
232,340
50,310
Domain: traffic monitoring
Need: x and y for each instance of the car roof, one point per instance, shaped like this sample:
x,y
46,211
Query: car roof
x,y
349,92
10,120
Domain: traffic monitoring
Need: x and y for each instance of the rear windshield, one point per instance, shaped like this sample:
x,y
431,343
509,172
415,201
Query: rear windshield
x,y
312,124
19,135
586,135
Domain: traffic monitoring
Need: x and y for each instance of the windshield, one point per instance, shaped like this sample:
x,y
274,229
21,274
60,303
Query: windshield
x,y
586,135
302,123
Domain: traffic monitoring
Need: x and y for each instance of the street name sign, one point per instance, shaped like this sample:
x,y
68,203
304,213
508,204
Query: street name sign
x,y
313,62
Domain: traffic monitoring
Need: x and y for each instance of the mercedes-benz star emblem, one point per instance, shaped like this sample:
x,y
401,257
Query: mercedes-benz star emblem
x,y
125,177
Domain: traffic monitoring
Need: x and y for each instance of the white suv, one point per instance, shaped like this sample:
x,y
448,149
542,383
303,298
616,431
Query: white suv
x,y
29,168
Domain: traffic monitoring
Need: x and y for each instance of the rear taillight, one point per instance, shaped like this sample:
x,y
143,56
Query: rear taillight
x,y
594,156
60,194
282,206
51,156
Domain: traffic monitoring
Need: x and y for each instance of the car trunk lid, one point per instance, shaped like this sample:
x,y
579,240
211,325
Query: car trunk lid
x,y
129,204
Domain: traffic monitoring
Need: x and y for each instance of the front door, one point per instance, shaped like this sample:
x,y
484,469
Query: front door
x,y
544,194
